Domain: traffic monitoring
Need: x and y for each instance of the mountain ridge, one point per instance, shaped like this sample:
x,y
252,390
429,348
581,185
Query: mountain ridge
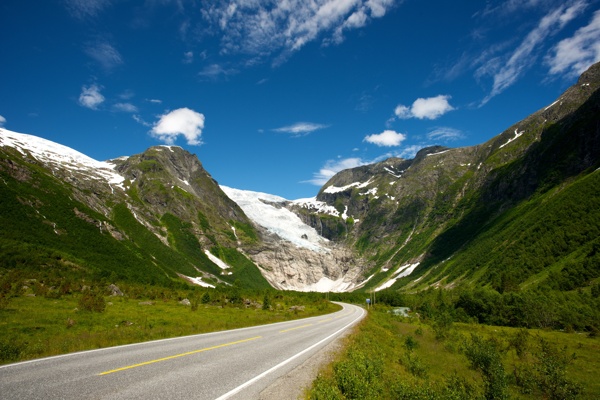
x,y
398,223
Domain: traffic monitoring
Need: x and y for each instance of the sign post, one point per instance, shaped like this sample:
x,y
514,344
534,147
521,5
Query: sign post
x,y
368,302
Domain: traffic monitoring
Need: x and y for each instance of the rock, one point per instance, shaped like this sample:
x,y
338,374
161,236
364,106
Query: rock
x,y
146,303
114,290
185,302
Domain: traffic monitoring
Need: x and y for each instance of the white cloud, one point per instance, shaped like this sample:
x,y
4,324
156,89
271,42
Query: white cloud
x,y
188,57
140,120
215,71
429,108
2,120
105,54
332,167
125,107
445,134
259,28
508,72
155,101
301,128
386,138
575,54
411,151
82,9
182,121
127,94
91,97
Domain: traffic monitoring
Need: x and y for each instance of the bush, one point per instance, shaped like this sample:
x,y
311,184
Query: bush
x,y
9,351
359,377
92,301
484,356
550,372
520,342
324,389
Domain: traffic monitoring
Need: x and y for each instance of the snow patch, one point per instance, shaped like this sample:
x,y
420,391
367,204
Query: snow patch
x,y
372,192
216,260
517,135
328,285
198,281
551,105
314,205
403,271
393,173
435,154
359,185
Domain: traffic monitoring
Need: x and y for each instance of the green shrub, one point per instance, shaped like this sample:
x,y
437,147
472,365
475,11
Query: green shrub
x,y
92,301
324,389
484,356
359,377
550,372
9,351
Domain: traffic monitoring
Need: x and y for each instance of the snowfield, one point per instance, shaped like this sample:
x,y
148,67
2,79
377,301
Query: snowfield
x,y
48,152
267,211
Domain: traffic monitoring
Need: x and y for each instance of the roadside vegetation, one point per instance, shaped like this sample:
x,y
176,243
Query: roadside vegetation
x,y
42,317
396,357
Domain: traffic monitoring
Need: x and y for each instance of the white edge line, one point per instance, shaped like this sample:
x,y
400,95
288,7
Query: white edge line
x,y
78,353
281,364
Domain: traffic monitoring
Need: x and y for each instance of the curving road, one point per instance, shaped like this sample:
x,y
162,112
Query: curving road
x,y
236,364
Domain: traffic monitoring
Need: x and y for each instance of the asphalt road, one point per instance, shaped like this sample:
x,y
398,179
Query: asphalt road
x,y
236,364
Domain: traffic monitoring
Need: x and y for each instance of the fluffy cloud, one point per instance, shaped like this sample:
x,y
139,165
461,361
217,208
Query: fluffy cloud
x,y
91,97
575,54
2,120
105,54
429,108
301,128
332,167
386,138
261,27
182,121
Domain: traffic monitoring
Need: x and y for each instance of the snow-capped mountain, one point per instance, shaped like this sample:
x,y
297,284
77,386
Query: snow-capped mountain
x,y
168,194
503,214
57,155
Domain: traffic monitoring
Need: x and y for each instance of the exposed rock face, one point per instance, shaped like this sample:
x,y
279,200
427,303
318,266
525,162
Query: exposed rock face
x,y
289,267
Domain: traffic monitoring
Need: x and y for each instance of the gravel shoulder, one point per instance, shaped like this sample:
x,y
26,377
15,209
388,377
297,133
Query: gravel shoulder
x,y
294,384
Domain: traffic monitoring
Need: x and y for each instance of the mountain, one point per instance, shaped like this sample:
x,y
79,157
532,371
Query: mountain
x,y
520,209
156,217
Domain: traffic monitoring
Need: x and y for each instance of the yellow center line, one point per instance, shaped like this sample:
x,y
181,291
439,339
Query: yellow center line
x,y
291,329
325,320
177,355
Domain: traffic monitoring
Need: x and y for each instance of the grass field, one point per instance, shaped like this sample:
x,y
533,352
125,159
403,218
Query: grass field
x,y
32,327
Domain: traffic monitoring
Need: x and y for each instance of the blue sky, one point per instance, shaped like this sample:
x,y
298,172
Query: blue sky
x,y
277,96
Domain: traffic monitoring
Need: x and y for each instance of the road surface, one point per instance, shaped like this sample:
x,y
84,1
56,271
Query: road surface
x,y
236,364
